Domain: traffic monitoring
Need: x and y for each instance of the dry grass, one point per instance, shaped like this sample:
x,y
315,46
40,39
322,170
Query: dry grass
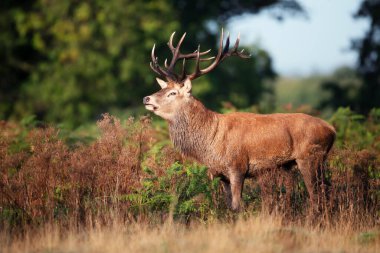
x,y
254,234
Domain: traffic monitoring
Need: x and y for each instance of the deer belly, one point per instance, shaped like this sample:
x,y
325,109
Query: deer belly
x,y
257,165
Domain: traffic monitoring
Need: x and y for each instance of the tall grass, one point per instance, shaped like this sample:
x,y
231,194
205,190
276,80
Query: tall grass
x,y
255,234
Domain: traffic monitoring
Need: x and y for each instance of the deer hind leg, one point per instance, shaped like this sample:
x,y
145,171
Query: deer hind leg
x,y
237,182
287,174
227,192
311,170
266,183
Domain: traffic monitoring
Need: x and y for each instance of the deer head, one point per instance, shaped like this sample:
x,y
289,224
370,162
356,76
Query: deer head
x,y
176,90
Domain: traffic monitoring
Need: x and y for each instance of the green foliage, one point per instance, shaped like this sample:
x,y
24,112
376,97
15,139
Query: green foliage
x,y
69,61
354,131
298,92
240,82
368,237
323,92
374,116
342,88
89,51
19,142
182,190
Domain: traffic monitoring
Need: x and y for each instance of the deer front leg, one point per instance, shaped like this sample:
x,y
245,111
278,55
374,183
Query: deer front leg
x,y
237,182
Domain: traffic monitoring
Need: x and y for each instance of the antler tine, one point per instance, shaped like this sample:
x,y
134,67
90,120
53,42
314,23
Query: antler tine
x,y
241,55
201,54
170,42
156,67
227,46
198,59
195,54
153,68
223,52
221,43
153,63
177,54
206,59
197,69
182,56
235,51
152,53
198,72
183,75
175,50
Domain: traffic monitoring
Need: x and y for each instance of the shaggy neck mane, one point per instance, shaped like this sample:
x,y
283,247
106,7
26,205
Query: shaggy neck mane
x,y
193,129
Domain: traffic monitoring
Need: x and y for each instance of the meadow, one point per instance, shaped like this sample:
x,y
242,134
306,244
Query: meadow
x,y
122,187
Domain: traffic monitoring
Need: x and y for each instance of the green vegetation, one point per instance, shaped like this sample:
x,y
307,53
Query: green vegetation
x,y
293,93
69,61
131,169
325,93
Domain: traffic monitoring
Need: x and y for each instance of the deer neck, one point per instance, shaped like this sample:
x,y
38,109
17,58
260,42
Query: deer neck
x,y
193,129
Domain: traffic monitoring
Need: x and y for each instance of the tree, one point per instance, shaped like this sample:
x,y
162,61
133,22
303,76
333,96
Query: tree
x,y
343,88
68,60
15,56
90,55
368,48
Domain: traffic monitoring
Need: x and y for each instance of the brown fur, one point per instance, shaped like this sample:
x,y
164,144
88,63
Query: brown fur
x,y
238,145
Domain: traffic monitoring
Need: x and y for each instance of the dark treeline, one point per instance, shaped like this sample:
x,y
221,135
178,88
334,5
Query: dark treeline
x,y
69,61
345,89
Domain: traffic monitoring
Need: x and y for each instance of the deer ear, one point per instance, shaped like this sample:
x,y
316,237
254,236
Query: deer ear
x,y
187,87
162,83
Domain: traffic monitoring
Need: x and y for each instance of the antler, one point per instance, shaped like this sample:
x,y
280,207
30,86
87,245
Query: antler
x,y
223,53
168,71
177,55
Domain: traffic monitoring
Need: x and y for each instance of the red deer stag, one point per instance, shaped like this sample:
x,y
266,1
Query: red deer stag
x,y
235,146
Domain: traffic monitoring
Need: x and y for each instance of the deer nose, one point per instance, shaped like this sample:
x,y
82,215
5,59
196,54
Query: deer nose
x,y
146,99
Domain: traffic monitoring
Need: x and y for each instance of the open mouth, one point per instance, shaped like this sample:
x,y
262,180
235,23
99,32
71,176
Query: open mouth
x,y
151,107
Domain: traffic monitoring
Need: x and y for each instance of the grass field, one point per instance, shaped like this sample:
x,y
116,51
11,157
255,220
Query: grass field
x,y
253,234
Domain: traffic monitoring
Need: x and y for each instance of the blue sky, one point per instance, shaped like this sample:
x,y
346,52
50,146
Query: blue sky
x,y
301,46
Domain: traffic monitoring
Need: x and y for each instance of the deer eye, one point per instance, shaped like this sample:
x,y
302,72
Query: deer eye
x,y
173,93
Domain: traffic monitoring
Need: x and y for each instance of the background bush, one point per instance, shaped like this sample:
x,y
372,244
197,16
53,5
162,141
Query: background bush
x,y
131,171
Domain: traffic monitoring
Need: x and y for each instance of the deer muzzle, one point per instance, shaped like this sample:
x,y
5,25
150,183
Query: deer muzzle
x,y
149,105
